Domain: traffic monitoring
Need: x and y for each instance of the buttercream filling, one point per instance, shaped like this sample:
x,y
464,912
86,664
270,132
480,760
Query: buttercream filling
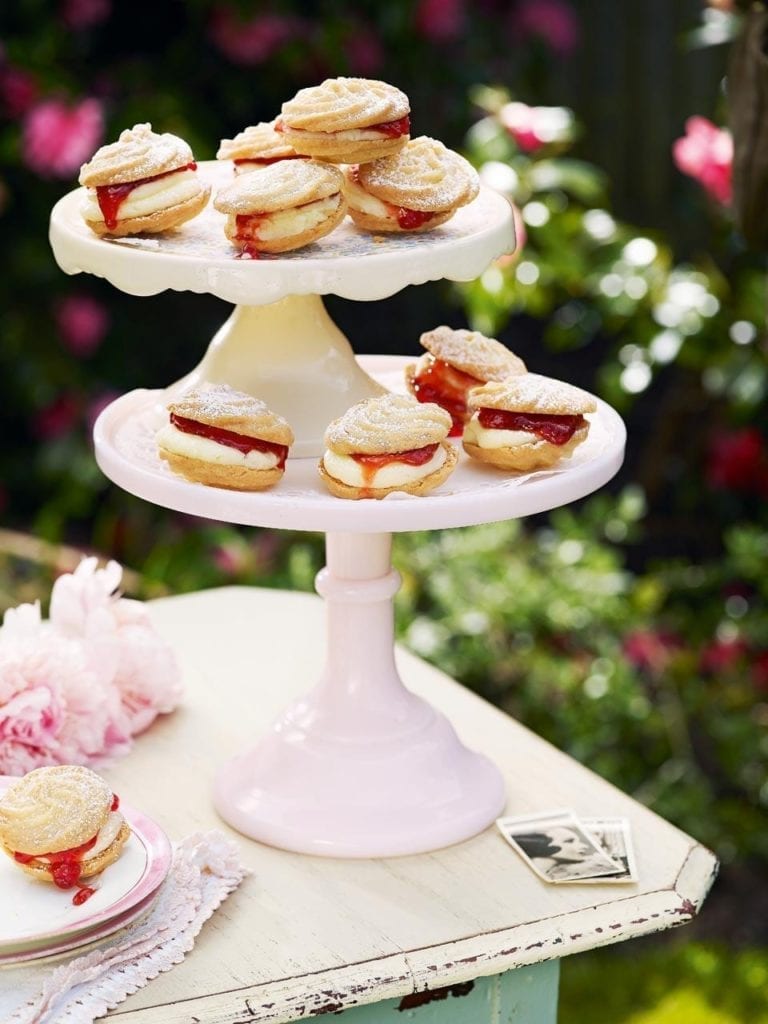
x,y
485,437
265,226
150,197
348,470
363,202
194,447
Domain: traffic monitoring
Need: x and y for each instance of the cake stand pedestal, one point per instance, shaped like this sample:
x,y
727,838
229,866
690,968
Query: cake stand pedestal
x,y
360,766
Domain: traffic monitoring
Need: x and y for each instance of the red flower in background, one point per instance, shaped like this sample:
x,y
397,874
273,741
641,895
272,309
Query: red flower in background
x,y
57,418
722,655
705,153
18,91
82,323
738,461
650,650
59,137
440,20
82,14
253,41
534,127
364,51
554,21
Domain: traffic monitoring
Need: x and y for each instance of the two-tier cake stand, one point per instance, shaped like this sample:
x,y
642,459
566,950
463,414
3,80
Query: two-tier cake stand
x,y
360,766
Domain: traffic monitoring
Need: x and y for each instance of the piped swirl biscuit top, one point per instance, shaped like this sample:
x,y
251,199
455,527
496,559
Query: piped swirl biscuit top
x,y
424,175
472,353
219,405
530,392
138,153
53,809
389,423
257,142
280,186
340,104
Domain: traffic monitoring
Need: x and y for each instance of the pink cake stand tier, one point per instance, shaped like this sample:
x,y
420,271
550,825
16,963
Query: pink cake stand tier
x,y
360,766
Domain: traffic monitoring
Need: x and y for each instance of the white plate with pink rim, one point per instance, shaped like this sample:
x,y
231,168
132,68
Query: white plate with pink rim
x,y
38,917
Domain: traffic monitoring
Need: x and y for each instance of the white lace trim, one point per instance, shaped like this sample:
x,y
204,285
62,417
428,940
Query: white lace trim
x,y
206,869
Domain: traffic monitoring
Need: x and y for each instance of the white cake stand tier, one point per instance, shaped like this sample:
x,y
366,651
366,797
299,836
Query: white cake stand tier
x,y
280,344
361,766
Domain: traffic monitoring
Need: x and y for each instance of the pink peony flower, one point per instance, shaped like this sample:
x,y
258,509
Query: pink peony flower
x,y
442,21
18,91
738,461
253,41
58,137
705,153
57,418
534,127
554,21
77,688
82,323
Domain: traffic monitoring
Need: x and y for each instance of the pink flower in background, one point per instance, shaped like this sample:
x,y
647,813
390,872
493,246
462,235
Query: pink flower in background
x,y
440,20
721,655
364,51
18,91
534,127
57,418
738,461
554,21
82,322
705,153
82,14
252,41
59,137
650,650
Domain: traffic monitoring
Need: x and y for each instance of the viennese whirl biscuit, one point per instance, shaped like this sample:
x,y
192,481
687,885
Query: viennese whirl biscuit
x,y
385,444
257,146
526,422
346,120
417,189
285,206
143,183
455,362
62,824
225,438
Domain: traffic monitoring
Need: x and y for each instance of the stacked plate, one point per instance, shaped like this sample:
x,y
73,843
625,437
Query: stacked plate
x,y
39,920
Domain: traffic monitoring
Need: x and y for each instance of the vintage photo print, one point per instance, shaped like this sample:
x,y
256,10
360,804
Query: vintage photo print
x,y
557,847
614,837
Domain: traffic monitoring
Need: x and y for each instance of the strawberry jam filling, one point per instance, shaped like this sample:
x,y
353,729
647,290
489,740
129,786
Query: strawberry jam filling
x,y
262,161
230,438
443,384
371,464
111,197
64,865
556,429
390,129
409,220
83,893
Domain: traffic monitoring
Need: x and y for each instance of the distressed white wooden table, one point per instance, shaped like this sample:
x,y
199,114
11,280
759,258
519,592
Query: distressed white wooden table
x,y
467,934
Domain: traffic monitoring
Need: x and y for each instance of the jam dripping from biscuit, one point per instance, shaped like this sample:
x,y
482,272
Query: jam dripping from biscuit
x,y
83,893
230,438
64,865
111,197
371,464
443,384
556,429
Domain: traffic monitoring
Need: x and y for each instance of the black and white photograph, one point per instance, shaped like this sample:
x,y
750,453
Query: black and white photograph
x,y
558,848
614,837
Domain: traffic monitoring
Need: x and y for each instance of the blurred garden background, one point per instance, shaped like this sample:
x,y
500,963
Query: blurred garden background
x,y
630,629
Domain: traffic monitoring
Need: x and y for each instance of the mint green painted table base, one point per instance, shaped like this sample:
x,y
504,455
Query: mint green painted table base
x,y
527,995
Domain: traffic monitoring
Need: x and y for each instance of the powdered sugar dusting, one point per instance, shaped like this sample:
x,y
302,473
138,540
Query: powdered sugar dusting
x,y
531,392
424,175
280,186
52,809
389,423
138,153
472,353
338,104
